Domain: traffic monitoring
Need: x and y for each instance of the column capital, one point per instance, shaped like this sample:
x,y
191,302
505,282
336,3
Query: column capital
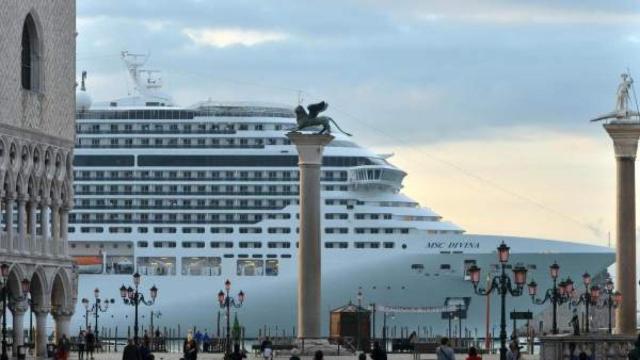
x,y
625,139
310,146
10,196
61,313
42,310
22,198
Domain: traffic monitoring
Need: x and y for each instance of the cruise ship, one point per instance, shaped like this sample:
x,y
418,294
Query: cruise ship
x,y
190,196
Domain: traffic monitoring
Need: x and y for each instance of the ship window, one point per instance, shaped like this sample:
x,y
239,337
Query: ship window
x,y
271,268
257,256
250,267
418,268
271,256
286,256
143,244
201,266
389,245
158,266
228,256
119,264
445,267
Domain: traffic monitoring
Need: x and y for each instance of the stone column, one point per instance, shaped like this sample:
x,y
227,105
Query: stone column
x,y
9,202
44,227
41,332
64,227
22,224
55,228
62,319
31,227
310,148
625,143
18,326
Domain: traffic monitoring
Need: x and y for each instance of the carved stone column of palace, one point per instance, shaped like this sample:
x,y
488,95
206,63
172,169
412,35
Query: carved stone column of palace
x,y
18,312
31,226
625,143
41,331
8,213
22,224
44,227
310,148
64,224
62,319
55,227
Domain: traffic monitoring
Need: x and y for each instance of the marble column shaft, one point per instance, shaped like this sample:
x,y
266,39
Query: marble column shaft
x,y
41,333
310,148
625,141
18,328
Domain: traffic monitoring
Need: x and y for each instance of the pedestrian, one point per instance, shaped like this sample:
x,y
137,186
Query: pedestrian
x,y
295,354
63,347
378,353
90,341
206,342
444,351
318,355
361,356
634,354
145,351
131,351
583,356
81,345
473,354
514,351
237,354
192,350
266,347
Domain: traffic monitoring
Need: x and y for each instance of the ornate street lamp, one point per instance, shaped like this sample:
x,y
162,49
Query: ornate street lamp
x,y
98,306
359,298
612,299
589,297
556,295
131,296
226,301
502,285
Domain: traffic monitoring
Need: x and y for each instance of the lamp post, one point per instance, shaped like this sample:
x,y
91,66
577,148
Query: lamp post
x,y
502,285
226,302
4,271
557,295
589,297
98,306
131,296
358,319
612,300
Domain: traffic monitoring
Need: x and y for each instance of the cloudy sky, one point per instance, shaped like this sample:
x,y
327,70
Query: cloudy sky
x,y
484,103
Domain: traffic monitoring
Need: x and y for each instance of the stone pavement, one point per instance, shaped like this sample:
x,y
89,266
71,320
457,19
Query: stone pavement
x,y
250,356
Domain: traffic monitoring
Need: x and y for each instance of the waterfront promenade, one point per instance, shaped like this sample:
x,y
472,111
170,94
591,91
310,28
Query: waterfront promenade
x,y
250,356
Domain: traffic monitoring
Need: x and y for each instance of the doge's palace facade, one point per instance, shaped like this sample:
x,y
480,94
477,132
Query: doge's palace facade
x,y
37,105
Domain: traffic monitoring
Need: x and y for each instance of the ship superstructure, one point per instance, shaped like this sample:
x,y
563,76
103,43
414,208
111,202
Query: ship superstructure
x,y
191,196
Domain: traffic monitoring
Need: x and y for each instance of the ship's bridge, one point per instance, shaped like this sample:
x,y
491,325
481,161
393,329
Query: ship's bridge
x,y
376,177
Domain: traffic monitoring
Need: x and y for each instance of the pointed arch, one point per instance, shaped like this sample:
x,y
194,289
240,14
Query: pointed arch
x,y
31,53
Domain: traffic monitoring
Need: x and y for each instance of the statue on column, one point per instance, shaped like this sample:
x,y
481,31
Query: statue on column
x,y
622,111
311,119
622,101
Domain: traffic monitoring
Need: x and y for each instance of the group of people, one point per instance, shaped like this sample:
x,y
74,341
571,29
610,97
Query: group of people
x,y
445,352
86,343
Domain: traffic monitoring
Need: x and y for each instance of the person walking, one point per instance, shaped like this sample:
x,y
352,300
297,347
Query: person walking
x,y
192,350
237,354
81,345
63,348
378,353
444,351
131,351
319,355
473,354
90,343
266,348
514,351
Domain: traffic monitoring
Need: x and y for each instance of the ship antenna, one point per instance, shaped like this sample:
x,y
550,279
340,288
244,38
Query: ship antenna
x,y
82,83
300,97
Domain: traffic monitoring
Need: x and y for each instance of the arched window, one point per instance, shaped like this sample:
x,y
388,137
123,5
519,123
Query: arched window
x,y
30,56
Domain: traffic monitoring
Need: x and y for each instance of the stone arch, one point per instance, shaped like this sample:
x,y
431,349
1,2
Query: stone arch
x,y
16,275
59,165
14,158
38,288
31,53
21,185
25,159
61,292
36,159
48,162
9,185
3,153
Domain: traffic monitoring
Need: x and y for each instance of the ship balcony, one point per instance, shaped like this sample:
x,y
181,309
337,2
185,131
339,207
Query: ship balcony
x,y
371,177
